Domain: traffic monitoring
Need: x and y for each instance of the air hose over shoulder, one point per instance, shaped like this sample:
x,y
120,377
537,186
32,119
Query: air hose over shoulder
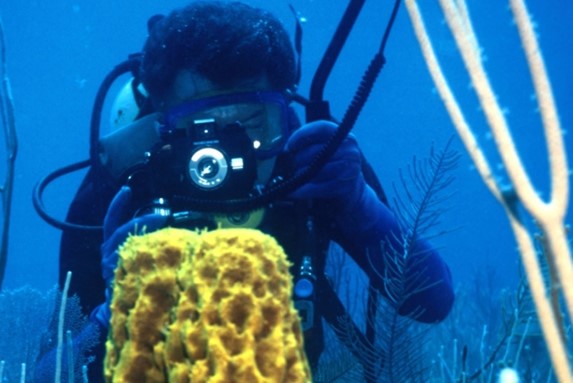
x,y
129,65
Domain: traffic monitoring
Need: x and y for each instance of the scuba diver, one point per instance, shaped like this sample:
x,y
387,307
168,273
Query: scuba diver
x,y
215,127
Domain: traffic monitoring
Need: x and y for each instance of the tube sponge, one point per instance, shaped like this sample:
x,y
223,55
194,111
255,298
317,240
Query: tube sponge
x,y
204,307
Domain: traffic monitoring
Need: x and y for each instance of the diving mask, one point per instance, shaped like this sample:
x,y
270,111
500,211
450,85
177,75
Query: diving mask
x,y
262,115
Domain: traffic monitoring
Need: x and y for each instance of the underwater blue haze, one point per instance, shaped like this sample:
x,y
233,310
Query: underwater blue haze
x,y
58,52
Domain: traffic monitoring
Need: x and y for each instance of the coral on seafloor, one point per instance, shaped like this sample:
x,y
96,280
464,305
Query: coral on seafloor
x,y
204,307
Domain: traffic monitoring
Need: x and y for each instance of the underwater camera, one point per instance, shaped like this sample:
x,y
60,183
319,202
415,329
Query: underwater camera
x,y
203,160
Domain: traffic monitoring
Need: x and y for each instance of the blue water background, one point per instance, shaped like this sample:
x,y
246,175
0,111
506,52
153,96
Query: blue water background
x,y
58,52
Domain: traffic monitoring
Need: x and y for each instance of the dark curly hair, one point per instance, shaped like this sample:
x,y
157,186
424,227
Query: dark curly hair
x,y
223,41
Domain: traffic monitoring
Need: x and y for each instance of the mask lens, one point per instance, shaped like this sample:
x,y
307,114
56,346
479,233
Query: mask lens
x,y
263,115
263,123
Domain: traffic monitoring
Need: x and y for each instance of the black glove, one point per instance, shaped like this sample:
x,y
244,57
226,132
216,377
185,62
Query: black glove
x,y
360,214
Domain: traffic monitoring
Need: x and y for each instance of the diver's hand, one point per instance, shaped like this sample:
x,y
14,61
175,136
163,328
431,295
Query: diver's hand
x,y
118,225
341,178
359,215
362,221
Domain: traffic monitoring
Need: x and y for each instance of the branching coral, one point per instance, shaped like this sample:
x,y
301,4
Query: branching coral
x,y
549,215
396,353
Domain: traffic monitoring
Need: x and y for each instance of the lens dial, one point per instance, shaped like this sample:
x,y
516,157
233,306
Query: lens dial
x,y
208,168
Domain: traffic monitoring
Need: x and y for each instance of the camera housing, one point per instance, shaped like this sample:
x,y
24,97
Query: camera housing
x,y
203,161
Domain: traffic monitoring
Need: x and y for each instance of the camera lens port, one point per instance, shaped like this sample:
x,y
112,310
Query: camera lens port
x,y
208,168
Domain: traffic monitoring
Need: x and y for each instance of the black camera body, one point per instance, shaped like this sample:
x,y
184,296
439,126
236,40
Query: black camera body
x,y
203,161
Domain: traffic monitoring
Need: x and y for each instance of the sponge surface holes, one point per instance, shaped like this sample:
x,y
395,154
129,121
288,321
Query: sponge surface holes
x,y
197,307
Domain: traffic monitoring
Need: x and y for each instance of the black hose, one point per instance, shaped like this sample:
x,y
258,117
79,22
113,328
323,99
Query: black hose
x,y
129,65
334,48
389,27
38,199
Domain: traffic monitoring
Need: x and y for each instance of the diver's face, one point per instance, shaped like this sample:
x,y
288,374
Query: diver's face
x,y
262,123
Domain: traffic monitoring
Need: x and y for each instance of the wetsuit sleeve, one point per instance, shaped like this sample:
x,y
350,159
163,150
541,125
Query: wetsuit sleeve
x,y
430,295
80,249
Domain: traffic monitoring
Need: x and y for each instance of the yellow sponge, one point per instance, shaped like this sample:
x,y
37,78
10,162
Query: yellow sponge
x,y
204,307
